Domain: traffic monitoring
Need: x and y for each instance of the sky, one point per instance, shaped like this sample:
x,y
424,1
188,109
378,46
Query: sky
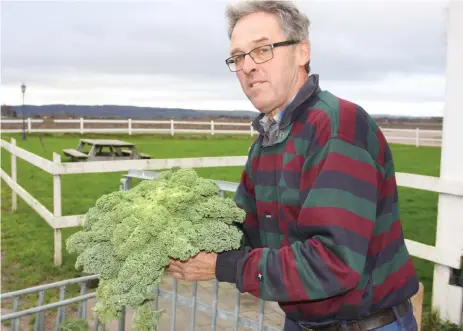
x,y
387,56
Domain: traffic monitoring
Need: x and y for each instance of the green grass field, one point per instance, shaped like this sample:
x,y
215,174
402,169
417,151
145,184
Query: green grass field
x,y
27,240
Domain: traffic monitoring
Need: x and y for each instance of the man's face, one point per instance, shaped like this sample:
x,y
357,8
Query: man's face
x,y
267,85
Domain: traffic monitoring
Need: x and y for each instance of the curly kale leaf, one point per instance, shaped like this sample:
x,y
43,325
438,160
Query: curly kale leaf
x,y
128,238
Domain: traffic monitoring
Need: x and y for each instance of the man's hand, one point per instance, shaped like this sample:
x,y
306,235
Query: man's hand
x,y
198,268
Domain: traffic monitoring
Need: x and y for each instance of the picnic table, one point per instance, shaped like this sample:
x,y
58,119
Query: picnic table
x,y
104,150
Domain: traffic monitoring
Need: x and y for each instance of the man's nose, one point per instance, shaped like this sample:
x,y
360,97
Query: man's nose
x,y
248,64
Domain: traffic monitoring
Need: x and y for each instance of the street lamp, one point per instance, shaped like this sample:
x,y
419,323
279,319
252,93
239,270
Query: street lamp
x,y
23,90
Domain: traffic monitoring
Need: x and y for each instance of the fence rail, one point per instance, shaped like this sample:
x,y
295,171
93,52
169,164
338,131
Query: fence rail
x,y
443,256
82,299
417,137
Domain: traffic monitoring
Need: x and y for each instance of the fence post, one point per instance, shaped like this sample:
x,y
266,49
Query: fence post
x,y
29,125
14,196
130,126
81,125
57,211
212,127
446,298
417,137
171,127
252,130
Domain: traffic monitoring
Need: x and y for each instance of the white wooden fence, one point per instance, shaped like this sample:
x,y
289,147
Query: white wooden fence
x,y
443,256
417,137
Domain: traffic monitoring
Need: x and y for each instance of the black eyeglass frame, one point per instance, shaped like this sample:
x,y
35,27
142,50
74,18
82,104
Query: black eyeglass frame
x,y
274,45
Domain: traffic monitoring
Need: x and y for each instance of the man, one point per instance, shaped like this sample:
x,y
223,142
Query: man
x,y
322,233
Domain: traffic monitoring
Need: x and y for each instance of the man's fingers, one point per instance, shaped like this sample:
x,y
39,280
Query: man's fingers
x,y
177,276
174,268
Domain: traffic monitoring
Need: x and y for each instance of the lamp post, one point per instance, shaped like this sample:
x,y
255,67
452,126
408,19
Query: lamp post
x,y
23,90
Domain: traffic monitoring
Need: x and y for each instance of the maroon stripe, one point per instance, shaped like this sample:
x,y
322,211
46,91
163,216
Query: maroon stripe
x,y
330,216
394,281
246,181
381,241
295,164
291,278
297,128
309,176
408,289
320,120
290,212
250,269
347,120
389,188
285,242
268,162
382,147
251,220
290,148
355,168
312,311
267,207
387,254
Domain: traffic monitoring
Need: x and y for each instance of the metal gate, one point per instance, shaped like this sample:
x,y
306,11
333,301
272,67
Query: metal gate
x,y
173,297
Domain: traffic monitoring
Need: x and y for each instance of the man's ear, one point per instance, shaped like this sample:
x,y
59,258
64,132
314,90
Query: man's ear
x,y
304,52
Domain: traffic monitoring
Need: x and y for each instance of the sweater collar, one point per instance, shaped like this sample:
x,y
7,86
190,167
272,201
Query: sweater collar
x,y
291,111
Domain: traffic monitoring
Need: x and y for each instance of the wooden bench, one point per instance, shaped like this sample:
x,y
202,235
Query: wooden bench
x,y
75,154
144,156
140,155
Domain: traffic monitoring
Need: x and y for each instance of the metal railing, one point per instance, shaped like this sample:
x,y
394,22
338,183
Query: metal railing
x,y
61,305
173,296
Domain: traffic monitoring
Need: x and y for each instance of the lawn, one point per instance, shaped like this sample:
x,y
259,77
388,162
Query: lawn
x,y
27,240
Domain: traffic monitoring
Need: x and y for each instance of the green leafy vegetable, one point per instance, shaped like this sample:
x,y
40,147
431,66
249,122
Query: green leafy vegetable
x,y
128,237
74,325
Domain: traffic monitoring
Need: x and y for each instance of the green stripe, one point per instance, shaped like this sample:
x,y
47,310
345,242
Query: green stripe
x,y
263,238
246,201
273,239
363,281
309,279
301,145
266,193
384,222
336,145
287,157
330,105
389,169
353,259
263,271
328,197
290,197
399,259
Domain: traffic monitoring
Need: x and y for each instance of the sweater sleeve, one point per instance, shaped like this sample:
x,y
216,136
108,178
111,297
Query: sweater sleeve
x,y
339,183
227,262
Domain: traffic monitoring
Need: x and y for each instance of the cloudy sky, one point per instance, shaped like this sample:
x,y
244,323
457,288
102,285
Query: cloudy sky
x,y
389,56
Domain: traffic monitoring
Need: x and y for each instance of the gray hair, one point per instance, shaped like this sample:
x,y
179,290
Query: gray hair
x,y
295,24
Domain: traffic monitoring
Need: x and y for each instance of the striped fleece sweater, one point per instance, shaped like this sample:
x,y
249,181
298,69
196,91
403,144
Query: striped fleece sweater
x,y
322,231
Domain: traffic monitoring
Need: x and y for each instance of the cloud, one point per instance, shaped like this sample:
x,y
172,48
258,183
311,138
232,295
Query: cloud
x,y
172,52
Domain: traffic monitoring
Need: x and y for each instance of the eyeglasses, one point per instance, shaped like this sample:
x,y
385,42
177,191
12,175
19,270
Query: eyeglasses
x,y
259,55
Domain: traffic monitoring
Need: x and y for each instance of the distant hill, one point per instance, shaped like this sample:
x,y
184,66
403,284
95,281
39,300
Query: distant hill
x,y
115,111
124,112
